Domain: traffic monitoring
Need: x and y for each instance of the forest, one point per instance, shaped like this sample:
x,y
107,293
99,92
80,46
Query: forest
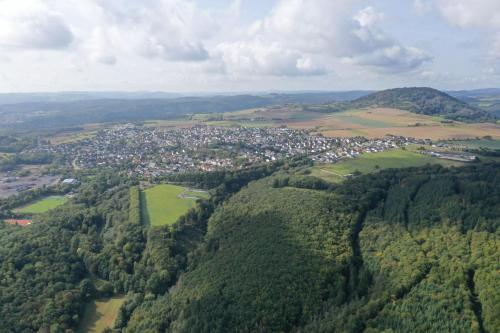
x,y
426,101
273,250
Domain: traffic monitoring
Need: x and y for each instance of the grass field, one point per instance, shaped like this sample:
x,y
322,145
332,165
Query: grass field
x,y
100,314
43,205
370,123
367,163
474,144
164,204
375,123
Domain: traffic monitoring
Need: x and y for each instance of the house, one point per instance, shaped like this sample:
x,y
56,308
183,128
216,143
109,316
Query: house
x,y
70,181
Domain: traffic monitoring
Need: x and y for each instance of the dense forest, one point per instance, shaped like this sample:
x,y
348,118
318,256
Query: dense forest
x,y
273,250
407,251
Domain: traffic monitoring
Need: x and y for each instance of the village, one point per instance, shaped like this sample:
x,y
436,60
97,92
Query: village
x,y
149,152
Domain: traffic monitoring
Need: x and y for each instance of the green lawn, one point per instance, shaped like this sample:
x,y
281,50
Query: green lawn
x,y
43,205
367,163
100,314
164,204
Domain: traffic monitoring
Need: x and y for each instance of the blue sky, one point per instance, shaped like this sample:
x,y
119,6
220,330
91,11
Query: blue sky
x,y
248,45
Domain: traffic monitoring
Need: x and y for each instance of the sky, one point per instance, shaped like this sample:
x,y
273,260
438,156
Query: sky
x,y
247,45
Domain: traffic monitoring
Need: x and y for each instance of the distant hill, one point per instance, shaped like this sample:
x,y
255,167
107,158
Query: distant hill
x,y
487,99
74,96
475,93
62,112
426,101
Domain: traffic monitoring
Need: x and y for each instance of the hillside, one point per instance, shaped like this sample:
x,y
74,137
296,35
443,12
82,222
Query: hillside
x,y
362,257
486,99
272,250
426,101
60,112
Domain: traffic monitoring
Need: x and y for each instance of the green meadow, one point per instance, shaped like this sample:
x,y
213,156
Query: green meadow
x,y
476,144
372,162
43,205
164,204
100,314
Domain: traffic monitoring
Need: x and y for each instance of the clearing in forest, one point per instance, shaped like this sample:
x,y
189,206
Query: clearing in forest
x,y
101,314
164,204
43,205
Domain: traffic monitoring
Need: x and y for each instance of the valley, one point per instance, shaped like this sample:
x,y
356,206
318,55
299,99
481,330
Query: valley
x,y
279,218
230,166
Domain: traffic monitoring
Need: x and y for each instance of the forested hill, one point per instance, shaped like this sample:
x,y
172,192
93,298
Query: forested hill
x,y
404,251
273,250
426,101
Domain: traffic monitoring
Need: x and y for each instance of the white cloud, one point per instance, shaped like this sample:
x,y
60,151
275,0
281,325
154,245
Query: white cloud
x,y
471,13
100,47
29,24
257,58
480,14
319,33
138,39
368,45
172,30
299,37
368,17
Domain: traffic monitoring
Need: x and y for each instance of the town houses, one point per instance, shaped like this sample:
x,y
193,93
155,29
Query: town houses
x,y
153,151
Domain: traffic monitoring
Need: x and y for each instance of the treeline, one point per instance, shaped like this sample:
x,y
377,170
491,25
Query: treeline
x,y
485,152
134,210
15,143
11,162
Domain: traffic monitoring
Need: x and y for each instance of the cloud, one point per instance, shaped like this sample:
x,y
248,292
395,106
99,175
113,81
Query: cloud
x,y
393,59
369,46
304,37
471,13
257,58
185,39
480,14
100,47
29,24
172,30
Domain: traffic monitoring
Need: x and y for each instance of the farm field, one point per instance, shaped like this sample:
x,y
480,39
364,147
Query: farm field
x,y
475,144
84,132
368,163
164,204
262,117
378,122
100,314
43,205
371,123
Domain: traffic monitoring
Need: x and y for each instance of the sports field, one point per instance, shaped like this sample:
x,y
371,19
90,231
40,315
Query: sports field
x,y
100,314
367,163
43,205
164,204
